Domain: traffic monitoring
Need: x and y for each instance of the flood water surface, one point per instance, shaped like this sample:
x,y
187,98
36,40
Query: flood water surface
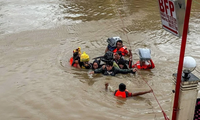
x,y
36,43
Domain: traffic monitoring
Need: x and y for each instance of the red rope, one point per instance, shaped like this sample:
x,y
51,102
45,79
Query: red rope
x,y
123,24
164,114
130,59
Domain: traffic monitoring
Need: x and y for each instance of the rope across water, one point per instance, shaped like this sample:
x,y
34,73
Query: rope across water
x,y
164,114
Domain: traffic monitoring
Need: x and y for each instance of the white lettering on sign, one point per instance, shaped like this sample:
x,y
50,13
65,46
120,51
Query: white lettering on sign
x,y
168,16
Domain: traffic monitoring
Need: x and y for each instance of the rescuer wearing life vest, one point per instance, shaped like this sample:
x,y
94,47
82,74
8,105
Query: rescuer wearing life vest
x,y
144,64
122,48
122,92
145,61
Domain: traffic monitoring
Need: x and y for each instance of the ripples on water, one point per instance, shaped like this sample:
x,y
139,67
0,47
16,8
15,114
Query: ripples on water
x,y
37,81
28,15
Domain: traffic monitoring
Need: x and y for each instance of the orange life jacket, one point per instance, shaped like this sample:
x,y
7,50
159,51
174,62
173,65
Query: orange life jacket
x,y
122,49
121,94
71,61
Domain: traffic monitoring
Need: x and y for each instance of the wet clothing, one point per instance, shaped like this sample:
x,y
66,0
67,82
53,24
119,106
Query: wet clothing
x,y
72,62
75,57
110,48
115,64
113,71
123,94
150,66
98,62
81,64
127,64
123,50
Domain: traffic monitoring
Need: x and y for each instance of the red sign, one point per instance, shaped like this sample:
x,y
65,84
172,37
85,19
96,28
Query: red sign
x,y
168,16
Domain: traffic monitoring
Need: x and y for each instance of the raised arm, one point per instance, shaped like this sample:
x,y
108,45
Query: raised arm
x,y
152,64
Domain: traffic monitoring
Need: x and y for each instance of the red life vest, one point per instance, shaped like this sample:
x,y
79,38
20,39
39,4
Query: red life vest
x,y
121,94
71,61
141,67
122,49
137,64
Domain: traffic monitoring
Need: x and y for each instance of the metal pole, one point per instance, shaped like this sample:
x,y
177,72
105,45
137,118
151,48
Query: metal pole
x,y
182,52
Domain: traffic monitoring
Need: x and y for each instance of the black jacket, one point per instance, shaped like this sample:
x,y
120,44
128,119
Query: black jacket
x,y
113,71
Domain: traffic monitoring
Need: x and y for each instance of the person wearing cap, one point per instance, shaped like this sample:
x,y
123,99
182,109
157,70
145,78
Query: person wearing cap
x,y
122,92
110,70
122,48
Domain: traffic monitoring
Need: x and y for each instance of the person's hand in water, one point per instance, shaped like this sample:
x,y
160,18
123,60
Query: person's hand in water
x,y
134,69
106,86
92,72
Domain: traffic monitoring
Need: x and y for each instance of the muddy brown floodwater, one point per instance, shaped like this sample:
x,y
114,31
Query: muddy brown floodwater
x,y
36,43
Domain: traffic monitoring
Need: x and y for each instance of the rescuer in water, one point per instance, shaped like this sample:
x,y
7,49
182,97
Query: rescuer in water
x,y
116,44
145,61
122,92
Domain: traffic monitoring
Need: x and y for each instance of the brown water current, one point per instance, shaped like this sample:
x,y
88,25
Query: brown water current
x,y
36,43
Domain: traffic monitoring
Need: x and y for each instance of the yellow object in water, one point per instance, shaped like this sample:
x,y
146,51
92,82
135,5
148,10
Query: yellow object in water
x,y
84,57
77,50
